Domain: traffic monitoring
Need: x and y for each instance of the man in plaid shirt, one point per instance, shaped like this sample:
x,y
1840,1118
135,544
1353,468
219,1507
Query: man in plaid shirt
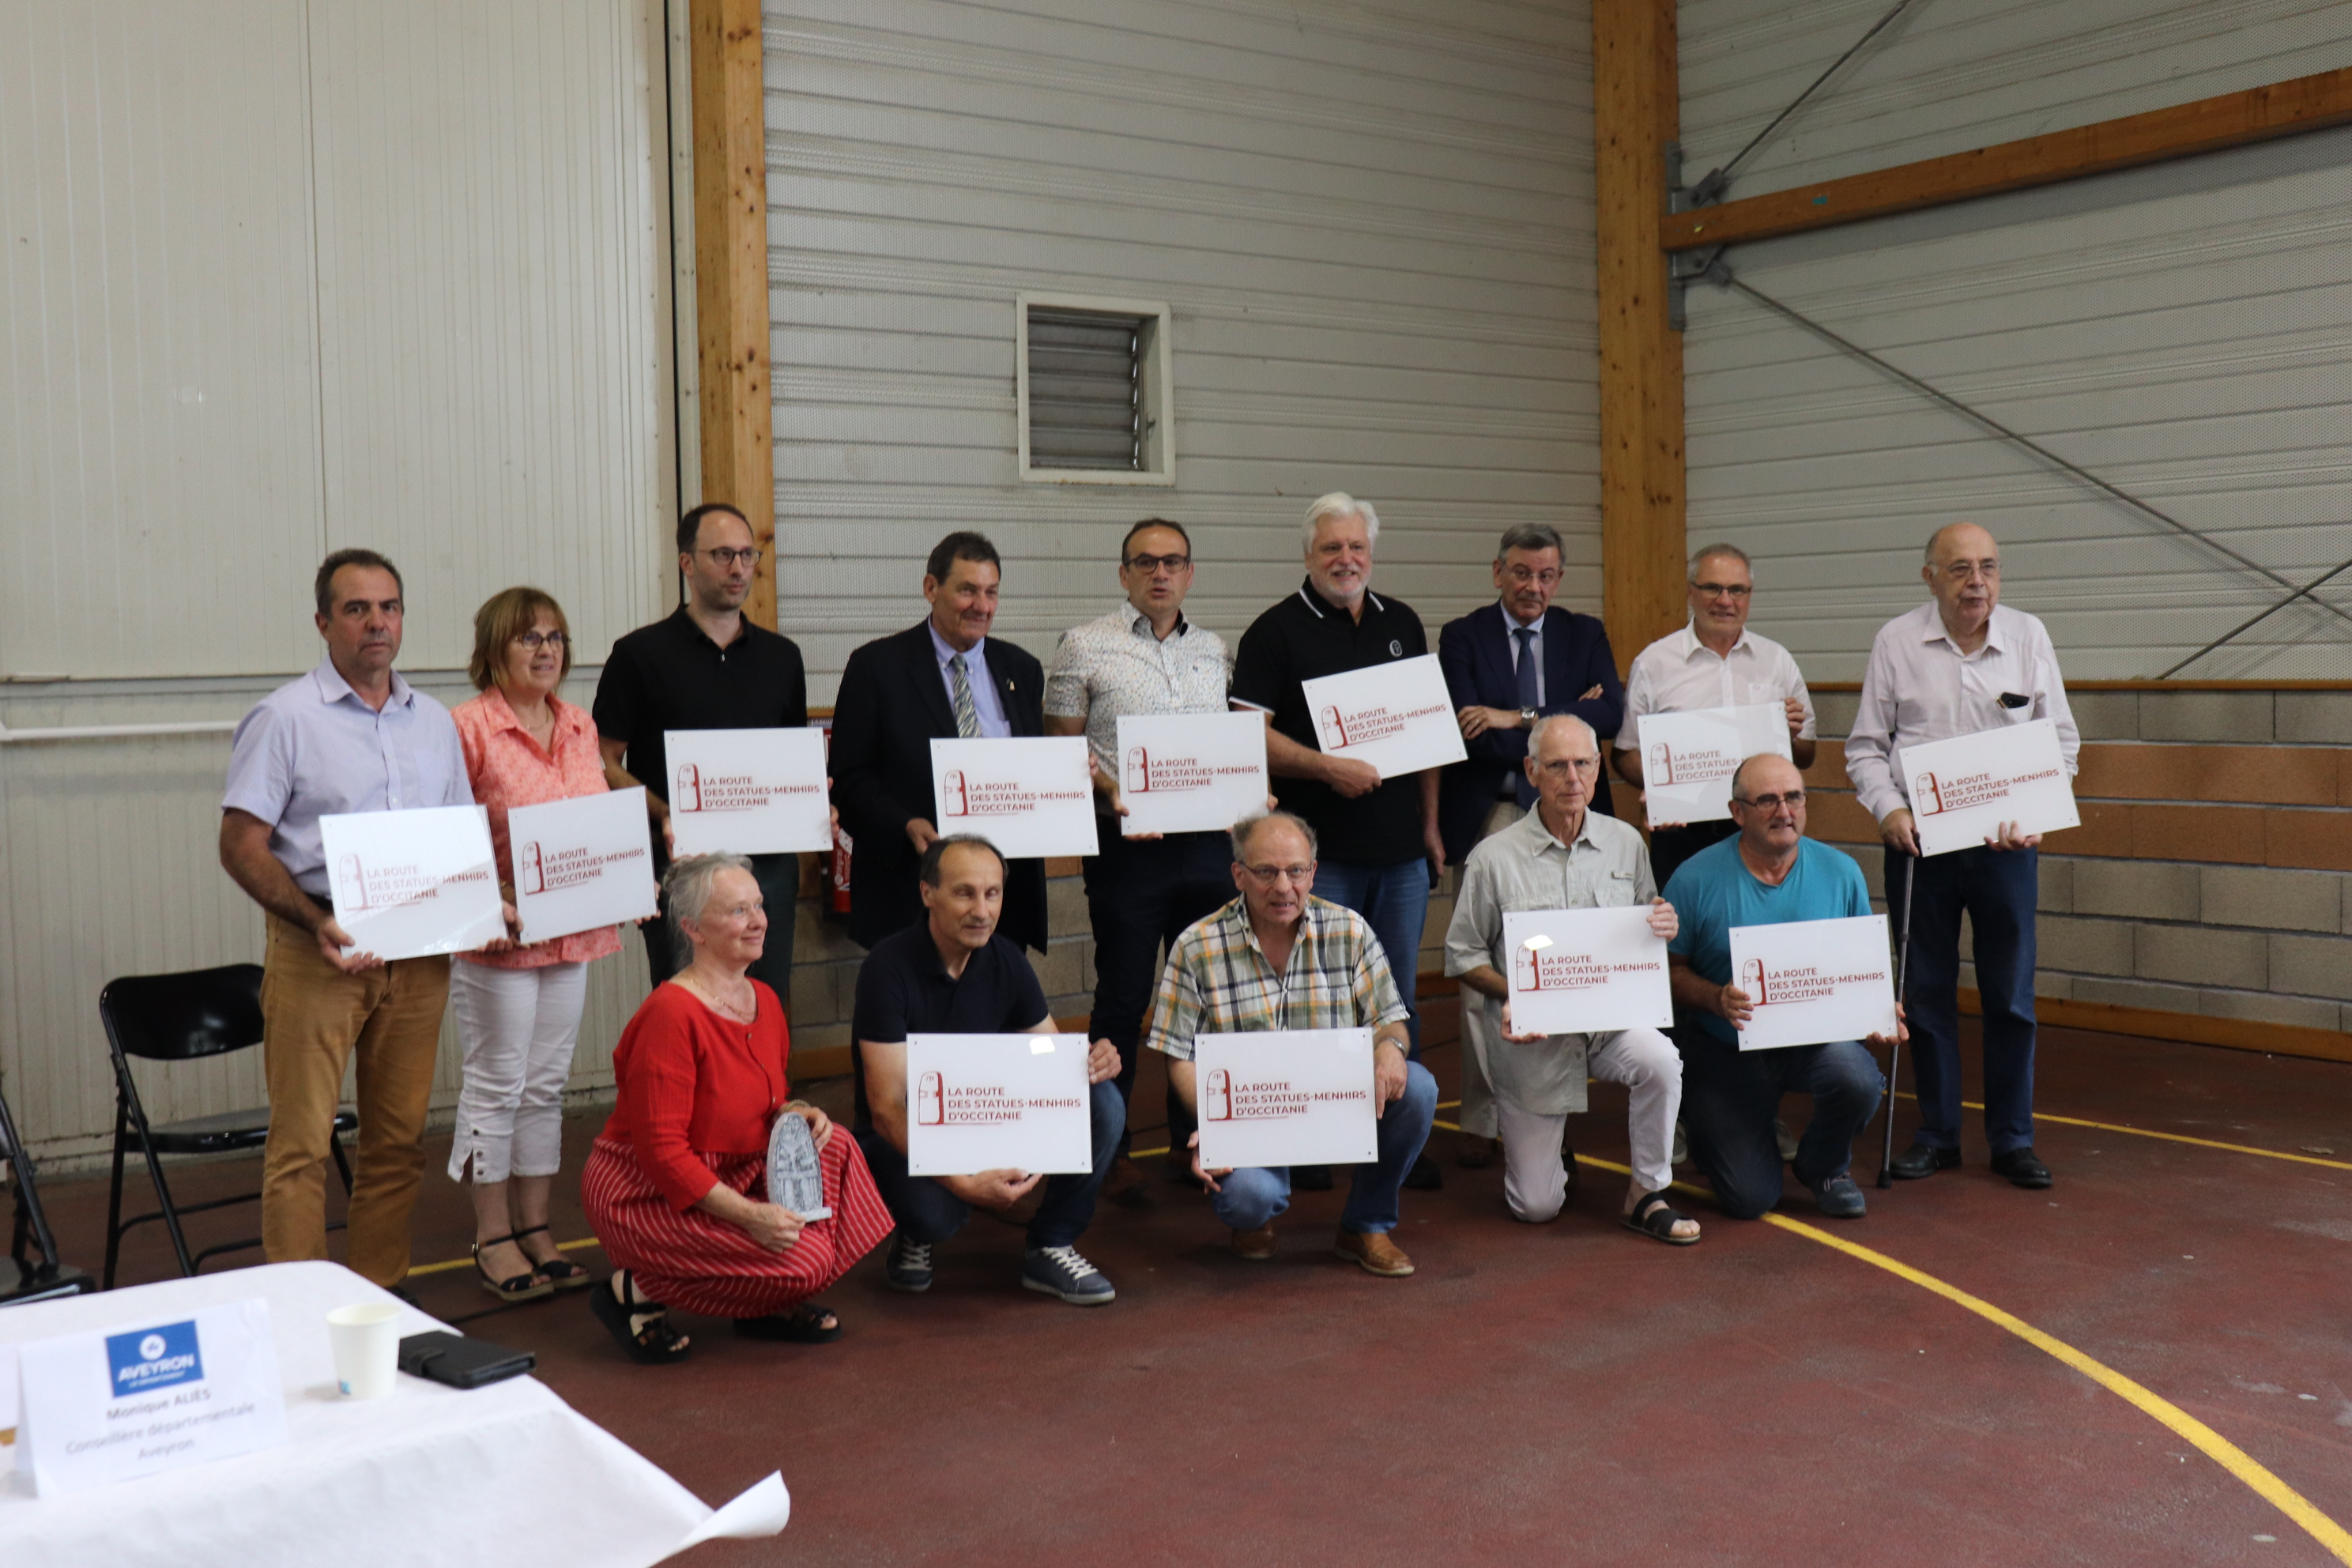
x,y
1277,958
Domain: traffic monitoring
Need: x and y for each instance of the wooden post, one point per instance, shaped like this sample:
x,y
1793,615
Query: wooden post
x,y
730,271
1636,112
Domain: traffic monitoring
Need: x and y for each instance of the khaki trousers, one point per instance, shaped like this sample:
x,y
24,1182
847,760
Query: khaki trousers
x,y
314,1017
1476,1116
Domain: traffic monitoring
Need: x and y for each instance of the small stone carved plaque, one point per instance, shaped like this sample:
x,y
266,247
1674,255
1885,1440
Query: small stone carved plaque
x,y
795,1180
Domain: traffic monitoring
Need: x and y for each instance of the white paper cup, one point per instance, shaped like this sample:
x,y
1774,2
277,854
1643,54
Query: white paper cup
x,y
366,1340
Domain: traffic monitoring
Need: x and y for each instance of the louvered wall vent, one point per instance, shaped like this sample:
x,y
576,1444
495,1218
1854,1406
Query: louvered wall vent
x,y
1095,391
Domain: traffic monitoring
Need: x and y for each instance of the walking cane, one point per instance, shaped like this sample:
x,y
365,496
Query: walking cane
x,y
1895,1052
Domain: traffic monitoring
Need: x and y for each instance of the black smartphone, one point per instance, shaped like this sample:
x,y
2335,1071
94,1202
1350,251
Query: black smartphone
x,y
462,1363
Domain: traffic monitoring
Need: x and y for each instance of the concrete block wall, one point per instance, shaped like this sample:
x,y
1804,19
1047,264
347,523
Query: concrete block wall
x,y
2210,876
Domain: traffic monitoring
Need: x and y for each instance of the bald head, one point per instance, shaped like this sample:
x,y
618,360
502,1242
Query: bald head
x,y
1766,772
1966,539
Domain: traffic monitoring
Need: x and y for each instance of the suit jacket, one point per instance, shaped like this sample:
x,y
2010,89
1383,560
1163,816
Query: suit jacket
x,y
1476,654
892,706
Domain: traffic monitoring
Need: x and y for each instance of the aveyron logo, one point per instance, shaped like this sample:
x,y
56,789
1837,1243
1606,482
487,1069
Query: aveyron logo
x,y
159,1357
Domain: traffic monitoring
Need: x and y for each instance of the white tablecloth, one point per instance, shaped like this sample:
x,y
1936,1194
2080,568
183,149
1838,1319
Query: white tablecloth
x,y
431,1475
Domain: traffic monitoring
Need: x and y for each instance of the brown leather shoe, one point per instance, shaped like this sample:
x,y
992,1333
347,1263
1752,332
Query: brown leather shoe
x,y
1475,1153
1373,1253
1257,1246
1124,1183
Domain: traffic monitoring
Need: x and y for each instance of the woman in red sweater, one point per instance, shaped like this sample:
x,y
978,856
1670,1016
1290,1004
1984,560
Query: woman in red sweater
x,y
676,1189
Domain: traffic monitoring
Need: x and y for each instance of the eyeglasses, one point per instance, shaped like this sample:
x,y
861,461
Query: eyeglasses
x,y
724,558
1558,771
1773,802
1270,875
537,640
1972,571
1722,590
1523,576
1148,563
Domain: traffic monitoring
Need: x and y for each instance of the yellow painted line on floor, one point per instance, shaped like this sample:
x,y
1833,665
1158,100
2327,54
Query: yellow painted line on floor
x,y
2168,1137
469,1263
2212,1444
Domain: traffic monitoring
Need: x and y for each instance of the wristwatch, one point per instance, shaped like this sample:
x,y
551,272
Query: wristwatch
x,y
1527,715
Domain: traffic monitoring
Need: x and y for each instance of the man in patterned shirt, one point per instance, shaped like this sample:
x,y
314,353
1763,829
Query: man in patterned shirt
x,y
1142,893
1277,958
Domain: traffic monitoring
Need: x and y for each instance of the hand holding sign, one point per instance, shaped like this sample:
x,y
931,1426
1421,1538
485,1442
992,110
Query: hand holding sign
x,y
2003,787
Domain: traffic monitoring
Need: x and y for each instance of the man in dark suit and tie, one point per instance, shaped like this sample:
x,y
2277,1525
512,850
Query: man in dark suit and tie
x,y
943,678
1507,664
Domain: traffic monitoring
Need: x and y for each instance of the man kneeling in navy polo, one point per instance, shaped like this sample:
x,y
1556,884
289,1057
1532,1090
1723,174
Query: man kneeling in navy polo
x,y
1770,874
953,974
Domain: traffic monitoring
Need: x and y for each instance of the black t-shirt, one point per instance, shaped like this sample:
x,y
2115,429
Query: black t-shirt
x,y
671,676
1301,638
904,989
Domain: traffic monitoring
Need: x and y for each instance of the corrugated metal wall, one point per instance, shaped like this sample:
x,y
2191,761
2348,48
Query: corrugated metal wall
x,y
1373,223
278,278
2178,331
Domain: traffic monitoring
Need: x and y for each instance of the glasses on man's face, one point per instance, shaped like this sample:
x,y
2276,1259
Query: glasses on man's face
x,y
1148,563
1523,576
1723,589
724,558
1270,875
1795,797
537,640
1556,770
1972,571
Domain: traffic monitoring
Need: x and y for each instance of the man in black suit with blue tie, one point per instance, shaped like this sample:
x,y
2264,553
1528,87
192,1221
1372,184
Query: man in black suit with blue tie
x,y
1507,664
940,678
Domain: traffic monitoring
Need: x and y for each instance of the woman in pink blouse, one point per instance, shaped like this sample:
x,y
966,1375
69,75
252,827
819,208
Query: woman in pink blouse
x,y
519,1011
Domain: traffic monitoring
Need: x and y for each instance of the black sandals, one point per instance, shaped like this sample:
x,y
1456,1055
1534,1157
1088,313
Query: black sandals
x,y
640,1327
810,1323
561,1272
528,1286
1654,1216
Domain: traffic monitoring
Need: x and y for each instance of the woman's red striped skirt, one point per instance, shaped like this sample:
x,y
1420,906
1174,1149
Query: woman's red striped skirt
x,y
696,1262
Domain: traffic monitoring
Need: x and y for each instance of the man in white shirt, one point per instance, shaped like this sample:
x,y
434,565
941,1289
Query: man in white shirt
x,y
1957,666
1714,662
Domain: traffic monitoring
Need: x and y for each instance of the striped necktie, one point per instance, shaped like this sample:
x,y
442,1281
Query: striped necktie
x,y
967,716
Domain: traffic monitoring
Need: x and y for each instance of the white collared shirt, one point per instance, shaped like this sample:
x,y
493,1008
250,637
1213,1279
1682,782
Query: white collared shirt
x,y
1113,665
1919,687
1679,674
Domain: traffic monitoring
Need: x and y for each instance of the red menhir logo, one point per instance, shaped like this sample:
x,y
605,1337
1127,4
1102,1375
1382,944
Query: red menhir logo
x,y
1217,1097
953,798
1931,796
1138,771
930,1100
688,795
530,877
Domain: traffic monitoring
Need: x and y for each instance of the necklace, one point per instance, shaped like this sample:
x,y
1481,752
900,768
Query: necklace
x,y
744,1012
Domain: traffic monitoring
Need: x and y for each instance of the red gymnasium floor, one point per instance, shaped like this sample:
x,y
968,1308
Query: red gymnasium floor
x,y
1574,1392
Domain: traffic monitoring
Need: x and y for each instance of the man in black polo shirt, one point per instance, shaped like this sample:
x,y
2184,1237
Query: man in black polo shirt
x,y
953,974
704,667
1378,836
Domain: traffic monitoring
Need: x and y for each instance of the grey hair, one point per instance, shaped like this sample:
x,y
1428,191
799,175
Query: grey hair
x,y
1246,829
1733,551
686,885
1536,735
1339,503
1530,536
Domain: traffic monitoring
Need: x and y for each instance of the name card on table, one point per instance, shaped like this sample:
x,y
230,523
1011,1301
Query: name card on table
x,y
1190,773
750,792
1963,789
410,883
1687,758
1586,972
998,1102
1030,796
1814,981
1285,1097
1398,717
112,1405
582,863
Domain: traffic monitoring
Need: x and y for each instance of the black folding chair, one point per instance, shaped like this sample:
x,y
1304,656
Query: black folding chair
x,y
180,1018
24,1277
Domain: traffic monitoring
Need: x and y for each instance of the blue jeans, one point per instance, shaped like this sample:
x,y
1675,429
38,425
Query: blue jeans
x,y
1248,1199
1730,1097
1395,900
1998,889
926,1211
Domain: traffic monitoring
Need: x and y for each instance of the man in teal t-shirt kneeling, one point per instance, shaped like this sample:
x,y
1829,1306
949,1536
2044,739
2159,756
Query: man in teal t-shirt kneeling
x,y
1769,875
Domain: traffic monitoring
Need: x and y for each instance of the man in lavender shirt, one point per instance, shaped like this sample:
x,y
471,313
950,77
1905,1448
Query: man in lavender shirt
x,y
349,736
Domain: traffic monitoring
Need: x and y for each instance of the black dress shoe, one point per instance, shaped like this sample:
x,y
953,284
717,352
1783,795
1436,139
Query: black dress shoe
x,y
2022,1168
1922,1159
1423,1178
1310,1178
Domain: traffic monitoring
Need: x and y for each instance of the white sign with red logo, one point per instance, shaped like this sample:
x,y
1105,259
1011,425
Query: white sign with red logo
x,y
582,863
1687,758
1586,972
1030,796
998,1102
1285,1097
1398,717
1190,773
1963,789
407,884
751,791
1811,982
